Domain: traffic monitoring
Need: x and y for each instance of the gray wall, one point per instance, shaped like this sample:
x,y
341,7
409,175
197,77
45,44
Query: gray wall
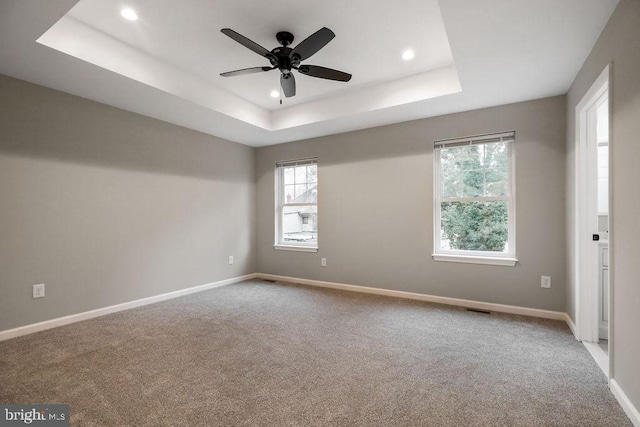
x,y
105,206
376,208
618,44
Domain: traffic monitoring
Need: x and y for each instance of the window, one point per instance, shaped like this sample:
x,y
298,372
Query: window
x,y
475,199
297,205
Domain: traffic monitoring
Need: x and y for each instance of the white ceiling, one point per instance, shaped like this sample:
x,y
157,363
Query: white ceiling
x,y
469,54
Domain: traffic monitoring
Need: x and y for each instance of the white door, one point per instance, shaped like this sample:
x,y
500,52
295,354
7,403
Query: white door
x,y
600,114
592,223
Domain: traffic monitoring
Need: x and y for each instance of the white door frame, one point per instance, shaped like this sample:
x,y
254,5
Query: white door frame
x,y
586,216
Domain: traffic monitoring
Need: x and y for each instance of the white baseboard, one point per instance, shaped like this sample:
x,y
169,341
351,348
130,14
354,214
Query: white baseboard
x,y
623,400
60,321
572,325
524,311
511,309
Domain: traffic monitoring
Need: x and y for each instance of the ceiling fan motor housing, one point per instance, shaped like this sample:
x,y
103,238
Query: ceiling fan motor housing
x,y
283,54
284,61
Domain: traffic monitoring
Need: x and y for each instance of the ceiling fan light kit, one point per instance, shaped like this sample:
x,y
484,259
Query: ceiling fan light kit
x,y
287,59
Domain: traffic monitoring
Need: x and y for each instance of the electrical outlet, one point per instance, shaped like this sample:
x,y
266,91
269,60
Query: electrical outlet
x,y
323,262
230,259
38,291
545,282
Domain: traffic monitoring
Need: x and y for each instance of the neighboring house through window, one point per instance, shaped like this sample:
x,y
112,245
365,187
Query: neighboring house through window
x,y
297,205
475,199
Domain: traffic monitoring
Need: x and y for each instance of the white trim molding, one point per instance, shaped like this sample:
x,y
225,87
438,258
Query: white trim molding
x,y
508,262
502,308
631,411
299,248
478,305
571,325
599,356
73,318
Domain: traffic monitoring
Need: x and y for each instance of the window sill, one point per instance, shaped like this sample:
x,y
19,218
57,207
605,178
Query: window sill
x,y
296,248
507,262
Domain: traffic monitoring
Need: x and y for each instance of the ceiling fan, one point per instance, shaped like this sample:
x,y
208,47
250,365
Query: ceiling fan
x,y
287,59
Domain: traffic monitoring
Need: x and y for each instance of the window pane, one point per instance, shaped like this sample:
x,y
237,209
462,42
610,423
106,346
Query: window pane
x,y
475,226
289,194
473,183
301,174
452,184
496,182
301,193
496,155
450,160
300,224
312,173
472,157
475,170
289,175
312,193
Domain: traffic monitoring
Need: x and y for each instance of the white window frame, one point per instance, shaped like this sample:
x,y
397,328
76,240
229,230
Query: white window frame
x,y
475,257
280,244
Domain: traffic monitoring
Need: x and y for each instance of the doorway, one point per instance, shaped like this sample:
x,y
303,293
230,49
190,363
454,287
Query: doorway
x,y
593,307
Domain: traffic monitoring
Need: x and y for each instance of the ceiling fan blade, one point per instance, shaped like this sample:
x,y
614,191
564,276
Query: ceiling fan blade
x,y
324,73
288,85
245,71
246,42
312,44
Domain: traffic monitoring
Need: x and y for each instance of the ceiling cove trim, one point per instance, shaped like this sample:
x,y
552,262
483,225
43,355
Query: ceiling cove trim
x,y
83,42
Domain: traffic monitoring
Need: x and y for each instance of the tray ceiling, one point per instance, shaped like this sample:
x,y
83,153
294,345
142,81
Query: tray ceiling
x,y
167,63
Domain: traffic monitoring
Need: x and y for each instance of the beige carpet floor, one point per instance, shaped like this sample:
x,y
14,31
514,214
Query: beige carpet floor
x,y
260,353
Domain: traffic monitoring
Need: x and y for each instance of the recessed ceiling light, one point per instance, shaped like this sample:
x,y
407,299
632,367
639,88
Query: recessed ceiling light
x,y
275,93
129,14
408,55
